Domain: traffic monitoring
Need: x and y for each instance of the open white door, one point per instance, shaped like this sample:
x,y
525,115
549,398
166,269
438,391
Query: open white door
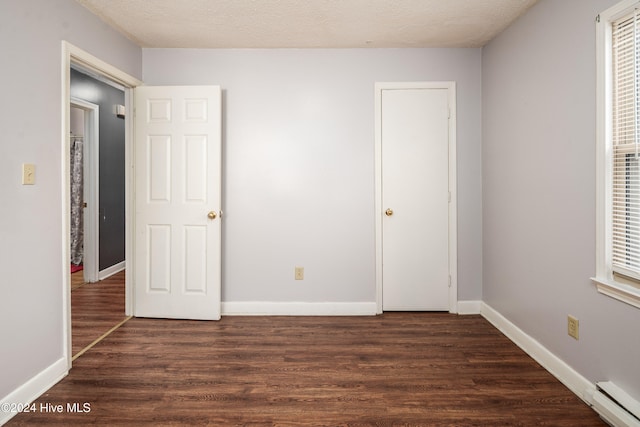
x,y
178,198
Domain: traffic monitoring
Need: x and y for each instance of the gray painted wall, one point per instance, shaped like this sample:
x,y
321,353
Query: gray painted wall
x,y
299,163
31,291
298,131
111,167
538,116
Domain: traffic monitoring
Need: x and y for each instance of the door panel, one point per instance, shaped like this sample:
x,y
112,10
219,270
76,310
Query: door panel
x,y
159,171
415,240
196,168
178,183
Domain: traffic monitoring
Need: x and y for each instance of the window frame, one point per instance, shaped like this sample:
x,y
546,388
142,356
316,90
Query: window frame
x,y
605,281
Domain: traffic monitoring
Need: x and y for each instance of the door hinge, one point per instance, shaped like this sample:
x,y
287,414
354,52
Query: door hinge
x,y
598,18
449,280
449,196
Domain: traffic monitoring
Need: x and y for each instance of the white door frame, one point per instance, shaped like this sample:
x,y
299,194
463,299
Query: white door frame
x,y
74,55
90,149
453,215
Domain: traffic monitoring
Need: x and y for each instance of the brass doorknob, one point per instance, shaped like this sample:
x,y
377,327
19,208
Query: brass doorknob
x,y
388,212
212,215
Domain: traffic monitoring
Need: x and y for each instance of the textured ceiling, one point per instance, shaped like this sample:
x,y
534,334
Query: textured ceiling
x,y
308,23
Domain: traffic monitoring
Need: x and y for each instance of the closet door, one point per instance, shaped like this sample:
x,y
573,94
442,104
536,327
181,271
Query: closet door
x,y
415,198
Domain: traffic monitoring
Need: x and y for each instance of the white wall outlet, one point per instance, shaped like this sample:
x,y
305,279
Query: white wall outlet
x,y
28,174
299,274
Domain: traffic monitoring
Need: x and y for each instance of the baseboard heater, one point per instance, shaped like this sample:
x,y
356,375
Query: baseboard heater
x,y
615,406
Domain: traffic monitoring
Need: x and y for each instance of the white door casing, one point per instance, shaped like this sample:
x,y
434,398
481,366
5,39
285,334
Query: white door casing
x,y
415,178
177,253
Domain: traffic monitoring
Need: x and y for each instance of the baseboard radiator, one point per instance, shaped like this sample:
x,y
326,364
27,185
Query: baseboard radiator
x,y
615,406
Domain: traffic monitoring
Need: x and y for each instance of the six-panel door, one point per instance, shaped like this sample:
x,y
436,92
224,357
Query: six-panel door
x,y
178,196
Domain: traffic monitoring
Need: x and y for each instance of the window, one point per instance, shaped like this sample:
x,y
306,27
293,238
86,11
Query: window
x,y
626,146
618,158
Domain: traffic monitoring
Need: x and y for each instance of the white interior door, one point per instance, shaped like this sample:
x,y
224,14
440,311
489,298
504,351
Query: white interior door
x,y
415,199
178,197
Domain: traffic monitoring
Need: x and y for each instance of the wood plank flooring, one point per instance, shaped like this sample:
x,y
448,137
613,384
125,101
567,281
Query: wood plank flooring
x,y
95,309
77,280
431,369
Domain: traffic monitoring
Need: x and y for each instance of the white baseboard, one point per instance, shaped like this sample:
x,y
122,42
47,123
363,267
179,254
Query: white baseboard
x,y
469,307
32,389
110,271
578,384
265,308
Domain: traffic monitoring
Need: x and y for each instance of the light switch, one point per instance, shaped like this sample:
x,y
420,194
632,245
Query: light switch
x,y
28,174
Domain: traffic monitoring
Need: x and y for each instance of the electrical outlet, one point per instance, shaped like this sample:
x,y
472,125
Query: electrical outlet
x,y
573,327
299,274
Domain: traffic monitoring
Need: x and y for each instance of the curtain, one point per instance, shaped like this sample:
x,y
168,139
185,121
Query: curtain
x,y
76,201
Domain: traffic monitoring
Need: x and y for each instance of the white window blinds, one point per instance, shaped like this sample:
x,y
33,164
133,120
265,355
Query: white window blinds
x,y
626,146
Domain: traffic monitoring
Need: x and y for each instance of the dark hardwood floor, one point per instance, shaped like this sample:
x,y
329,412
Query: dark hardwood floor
x,y
431,369
95,309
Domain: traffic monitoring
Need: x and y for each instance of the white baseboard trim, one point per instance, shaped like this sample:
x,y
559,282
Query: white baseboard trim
x,y
265,308
568,376
32,389
110,271
469,307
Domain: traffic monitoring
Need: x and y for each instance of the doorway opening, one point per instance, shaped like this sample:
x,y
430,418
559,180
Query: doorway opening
x,y
73,57
84,189
97,308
